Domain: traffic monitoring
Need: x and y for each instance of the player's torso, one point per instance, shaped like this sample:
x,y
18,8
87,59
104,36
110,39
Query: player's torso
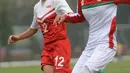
x,y
100,18
45,16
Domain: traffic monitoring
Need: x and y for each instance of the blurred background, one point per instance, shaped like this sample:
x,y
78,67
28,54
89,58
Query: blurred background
x,y
16,16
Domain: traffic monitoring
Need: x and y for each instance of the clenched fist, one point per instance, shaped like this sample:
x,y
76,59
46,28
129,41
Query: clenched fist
x,y
12,39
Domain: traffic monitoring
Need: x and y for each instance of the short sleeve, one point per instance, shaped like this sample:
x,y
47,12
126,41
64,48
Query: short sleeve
x,y
61,7
34,24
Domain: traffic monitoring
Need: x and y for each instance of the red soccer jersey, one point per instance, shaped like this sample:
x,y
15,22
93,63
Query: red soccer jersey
x,y
44,15
52,32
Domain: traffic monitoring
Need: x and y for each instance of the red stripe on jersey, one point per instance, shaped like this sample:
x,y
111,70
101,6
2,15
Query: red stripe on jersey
x,y
46,14
112,30
48,20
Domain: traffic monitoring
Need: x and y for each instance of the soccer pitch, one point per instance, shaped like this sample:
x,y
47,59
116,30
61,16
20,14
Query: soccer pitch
x,y
118,67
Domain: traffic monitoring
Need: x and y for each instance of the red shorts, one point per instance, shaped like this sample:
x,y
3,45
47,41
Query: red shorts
x,y
58,55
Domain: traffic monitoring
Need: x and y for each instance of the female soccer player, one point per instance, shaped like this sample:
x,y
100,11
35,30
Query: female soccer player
x,y
101,46
56,53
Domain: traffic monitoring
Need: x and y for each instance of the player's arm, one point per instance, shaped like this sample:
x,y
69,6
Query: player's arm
x,y
76,17
71,18
28,33
122,1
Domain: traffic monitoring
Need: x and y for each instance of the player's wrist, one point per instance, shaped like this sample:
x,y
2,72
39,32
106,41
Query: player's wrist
x,y
17,38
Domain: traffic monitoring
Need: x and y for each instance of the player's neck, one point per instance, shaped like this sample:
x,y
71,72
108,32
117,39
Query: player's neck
x,y
43,1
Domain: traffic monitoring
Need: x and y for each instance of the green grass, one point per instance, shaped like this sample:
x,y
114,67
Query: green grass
x,y
119,67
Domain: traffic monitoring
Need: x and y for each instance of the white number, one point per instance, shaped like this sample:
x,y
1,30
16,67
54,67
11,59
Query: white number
x,y
45,27
59,61
56,60
62,60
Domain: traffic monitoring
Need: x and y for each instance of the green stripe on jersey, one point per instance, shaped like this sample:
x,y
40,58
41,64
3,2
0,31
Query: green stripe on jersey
x,y
96,5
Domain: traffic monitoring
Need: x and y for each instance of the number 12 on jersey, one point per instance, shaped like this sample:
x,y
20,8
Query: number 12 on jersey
x,y
44,25
59,60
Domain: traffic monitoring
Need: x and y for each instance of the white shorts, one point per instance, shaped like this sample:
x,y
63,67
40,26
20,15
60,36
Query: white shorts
x,y
95,59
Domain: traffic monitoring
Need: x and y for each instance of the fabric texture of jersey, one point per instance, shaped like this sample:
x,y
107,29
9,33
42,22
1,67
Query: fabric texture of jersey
x,y
102,22
44,15
56,50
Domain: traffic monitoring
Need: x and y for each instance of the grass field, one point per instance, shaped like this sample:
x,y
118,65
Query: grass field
x,y
119,67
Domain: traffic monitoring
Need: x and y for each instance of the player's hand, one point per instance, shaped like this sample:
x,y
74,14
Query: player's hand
x,y
12,39
59,19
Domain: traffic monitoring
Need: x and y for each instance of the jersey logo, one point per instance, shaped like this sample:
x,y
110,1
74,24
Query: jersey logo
x,y
49,6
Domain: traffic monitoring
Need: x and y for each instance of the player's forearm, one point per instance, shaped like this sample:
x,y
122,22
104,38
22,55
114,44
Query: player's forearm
x,y
122,1
28,33
74,18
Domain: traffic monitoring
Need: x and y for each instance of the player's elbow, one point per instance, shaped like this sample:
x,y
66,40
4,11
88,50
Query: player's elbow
x,y
33,31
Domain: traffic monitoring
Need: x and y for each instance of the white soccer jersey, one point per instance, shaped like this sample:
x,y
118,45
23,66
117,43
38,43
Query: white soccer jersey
x,y
102,22
102,25
48,8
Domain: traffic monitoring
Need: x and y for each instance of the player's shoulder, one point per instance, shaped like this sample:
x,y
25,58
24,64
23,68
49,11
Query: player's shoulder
x,y
37,5
58,1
